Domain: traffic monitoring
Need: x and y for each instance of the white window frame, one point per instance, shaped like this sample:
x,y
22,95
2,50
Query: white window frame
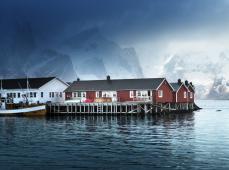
x,y
75,94
83,94
191,95
97,94
142,93
138,93
110,94
131,94
185,94
160,93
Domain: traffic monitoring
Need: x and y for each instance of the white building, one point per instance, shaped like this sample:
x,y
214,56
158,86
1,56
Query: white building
x,y
33,90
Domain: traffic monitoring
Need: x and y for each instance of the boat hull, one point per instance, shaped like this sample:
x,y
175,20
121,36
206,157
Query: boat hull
x,y
30,111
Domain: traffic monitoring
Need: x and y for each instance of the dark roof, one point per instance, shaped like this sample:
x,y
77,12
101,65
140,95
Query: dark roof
x,y
192,87
175,86
21,83
115,84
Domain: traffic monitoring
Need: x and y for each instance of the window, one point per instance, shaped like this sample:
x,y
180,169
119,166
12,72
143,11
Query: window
x,y
144,93
104,95
42,94
185,94
83,94
35,94
79,94
97,94
131,94
50,94
14,95
61,95
138,93
191,95
160,93
18,95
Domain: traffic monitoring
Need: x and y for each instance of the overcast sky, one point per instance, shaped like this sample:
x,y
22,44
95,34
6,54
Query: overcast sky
x,y
155,28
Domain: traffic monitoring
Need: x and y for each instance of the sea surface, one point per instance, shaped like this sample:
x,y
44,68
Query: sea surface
x,y
198,140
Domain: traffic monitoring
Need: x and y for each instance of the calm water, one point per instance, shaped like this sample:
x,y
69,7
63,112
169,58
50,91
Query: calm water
x,y
197,140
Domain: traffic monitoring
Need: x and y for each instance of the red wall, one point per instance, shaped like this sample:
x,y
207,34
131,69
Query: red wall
x,y
167,94
90,95
191,100
174,97
180,95
124,95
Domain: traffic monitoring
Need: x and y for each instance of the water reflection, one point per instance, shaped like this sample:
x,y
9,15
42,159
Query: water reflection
x,y
166,120
170,141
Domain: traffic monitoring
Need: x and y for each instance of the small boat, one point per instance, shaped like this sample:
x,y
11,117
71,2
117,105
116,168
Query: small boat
x,y
9,108
27,111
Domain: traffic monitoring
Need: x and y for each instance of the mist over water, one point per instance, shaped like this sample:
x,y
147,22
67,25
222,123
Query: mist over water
x,y
198,140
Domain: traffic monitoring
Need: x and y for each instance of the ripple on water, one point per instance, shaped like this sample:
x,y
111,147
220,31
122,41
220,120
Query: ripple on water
x,y
177,141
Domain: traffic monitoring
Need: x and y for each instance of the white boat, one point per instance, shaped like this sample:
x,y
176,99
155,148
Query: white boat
x,y
8,107
27,111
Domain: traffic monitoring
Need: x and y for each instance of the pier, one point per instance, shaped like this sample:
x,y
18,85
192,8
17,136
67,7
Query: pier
x,y
115,108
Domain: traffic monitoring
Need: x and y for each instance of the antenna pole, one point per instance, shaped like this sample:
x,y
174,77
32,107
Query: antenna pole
x,y
27,83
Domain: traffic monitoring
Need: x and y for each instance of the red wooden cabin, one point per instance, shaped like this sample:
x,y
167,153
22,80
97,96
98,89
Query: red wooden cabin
x,y
156,90
191,94
181,92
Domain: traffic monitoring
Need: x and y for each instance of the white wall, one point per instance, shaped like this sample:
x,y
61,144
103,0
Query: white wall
x,y
54,85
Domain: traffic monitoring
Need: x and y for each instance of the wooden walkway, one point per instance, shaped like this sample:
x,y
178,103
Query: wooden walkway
x,y
115,108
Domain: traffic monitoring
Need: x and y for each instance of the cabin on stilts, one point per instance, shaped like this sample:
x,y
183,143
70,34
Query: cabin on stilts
x,y
144,95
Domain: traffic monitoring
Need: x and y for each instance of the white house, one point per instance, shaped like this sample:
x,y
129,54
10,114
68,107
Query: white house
x,y
33,90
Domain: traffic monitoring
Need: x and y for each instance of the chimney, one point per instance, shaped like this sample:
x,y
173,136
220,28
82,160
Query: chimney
x,y
191,84
108,78
78,79
179,81
186,82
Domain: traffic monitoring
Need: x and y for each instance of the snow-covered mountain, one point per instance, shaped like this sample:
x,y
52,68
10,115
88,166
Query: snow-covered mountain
x,y
209,74
94,55
87,55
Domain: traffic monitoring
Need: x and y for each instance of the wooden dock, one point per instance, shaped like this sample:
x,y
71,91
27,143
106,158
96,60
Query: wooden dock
x,y
115,108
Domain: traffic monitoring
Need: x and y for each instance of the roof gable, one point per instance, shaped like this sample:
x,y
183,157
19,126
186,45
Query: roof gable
x,y
171,87
177,86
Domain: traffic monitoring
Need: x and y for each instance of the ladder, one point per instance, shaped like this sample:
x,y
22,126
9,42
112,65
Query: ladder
x,y
99,109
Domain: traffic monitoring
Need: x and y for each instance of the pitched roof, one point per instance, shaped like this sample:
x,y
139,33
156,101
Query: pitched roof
x,y
21,83
175,86
115,84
